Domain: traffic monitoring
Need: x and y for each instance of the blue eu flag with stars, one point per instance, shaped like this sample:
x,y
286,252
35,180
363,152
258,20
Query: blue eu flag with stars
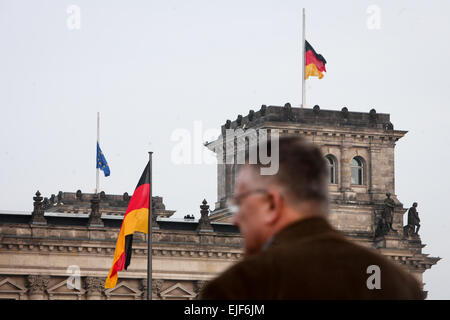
x,y
101,161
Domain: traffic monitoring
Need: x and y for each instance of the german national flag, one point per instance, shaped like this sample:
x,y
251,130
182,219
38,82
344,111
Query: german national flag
x,y
314,62
135,219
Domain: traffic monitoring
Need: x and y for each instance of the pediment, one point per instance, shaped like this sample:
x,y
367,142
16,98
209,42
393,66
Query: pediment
x,y
61,288
7,285
123,289
177,291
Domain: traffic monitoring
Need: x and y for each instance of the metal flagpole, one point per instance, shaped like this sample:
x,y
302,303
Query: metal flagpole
x,y
98,142
304,61
149,242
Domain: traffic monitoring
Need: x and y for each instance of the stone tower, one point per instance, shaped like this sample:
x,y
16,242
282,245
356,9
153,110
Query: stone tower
x,y
359,149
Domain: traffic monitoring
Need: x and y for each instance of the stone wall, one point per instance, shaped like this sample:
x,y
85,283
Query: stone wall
x,y
37,261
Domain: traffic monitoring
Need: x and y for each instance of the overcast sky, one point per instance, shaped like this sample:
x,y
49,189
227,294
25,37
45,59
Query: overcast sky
x,y
153,68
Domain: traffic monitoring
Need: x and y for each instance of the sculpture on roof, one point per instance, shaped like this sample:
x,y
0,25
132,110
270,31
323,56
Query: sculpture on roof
x,y
388,211
413,222
384,224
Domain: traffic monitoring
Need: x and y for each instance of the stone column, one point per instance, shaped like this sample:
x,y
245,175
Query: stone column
x,y
143,287
220,183
234,167
220,148
37,285
377,189
369,173
373,173
241,145
229,160
94,288
345,168
389,153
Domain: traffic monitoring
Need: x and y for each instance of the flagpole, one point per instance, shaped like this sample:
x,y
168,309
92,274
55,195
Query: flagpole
x,y
98,142
149,242
304,61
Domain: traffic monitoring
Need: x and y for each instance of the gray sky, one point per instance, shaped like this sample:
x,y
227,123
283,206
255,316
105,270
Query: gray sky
x,y
154,67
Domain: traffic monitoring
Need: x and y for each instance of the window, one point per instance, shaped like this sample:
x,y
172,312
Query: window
x,y
357,170
331,169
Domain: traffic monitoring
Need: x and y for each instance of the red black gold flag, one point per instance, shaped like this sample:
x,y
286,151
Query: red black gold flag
x,y
314,62
135,219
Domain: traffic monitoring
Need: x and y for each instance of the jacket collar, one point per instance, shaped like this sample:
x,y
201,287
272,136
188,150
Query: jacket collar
x,y
303,228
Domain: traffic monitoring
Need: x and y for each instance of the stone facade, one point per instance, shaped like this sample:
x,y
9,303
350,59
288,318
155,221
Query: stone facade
x,y
342,135
68,258
65,247
79,202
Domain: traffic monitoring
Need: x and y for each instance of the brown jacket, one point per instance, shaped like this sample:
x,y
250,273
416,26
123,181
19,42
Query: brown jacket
x,y
311,260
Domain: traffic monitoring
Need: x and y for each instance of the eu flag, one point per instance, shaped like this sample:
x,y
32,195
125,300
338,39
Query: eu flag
x,y
101,161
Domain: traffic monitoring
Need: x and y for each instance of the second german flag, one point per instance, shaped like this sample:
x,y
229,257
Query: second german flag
x,y
314,62
135,219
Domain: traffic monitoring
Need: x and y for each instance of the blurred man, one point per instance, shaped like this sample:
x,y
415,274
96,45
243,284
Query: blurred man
x,y
291,251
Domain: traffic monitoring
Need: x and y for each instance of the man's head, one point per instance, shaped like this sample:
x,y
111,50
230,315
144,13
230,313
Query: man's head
x,y
266,204
415,204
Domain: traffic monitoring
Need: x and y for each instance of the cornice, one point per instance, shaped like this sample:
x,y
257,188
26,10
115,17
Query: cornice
x,y
332,135
162,251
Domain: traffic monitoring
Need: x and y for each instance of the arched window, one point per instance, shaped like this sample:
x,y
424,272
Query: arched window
x,y
332,170
357,170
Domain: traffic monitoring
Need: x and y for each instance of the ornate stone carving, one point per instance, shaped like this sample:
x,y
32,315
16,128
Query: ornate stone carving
x,y
251,115
204,224
157,204
52,199
373,115
288,114
239,120
95,216
344,112
37,284
156,287
60,197
228,124
388,126
37,216
263,110
94,285
316,110
46,204
199,285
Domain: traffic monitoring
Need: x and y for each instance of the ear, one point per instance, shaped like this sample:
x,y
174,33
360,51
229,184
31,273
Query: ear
x,y
274,208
